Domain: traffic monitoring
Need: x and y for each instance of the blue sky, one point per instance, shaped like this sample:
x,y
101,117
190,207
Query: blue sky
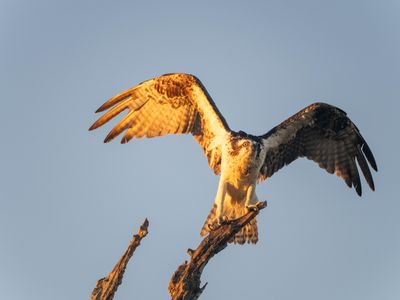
x,y
69,203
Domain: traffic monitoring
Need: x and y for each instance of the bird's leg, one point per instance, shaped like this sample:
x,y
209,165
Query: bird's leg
x,y
251,198
219,201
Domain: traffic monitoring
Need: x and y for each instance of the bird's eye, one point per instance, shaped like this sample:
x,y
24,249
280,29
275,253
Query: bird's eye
x,y
245,144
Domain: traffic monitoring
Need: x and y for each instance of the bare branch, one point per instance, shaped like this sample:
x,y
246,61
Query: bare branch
x,y
107,286
185,283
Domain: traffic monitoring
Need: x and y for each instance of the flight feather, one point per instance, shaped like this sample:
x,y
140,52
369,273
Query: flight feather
x,y
324,134
169,104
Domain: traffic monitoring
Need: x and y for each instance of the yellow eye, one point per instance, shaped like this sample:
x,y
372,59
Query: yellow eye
x,y
246,144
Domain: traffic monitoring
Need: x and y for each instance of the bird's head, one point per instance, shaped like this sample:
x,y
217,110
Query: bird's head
x,y
243,145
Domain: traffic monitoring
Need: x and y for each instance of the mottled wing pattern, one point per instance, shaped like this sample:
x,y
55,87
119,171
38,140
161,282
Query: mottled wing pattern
x,y
324,134
169,104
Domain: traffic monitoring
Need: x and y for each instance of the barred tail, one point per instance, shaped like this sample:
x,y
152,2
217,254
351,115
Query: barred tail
x,y
248,234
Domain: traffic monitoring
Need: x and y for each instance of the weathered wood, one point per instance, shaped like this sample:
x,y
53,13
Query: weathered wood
x,y
186,281
107,286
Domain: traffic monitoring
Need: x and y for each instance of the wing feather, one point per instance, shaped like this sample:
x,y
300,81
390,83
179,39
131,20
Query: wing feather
x,y
121,126
324,134
169,104
364,168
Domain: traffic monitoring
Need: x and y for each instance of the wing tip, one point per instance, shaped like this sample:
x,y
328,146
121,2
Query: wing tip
x,y
109,137
105,105
368,154
93,127
371,183
100,109
124,140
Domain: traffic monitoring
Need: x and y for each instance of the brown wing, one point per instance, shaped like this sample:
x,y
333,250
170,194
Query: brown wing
x,y
324,134
169,104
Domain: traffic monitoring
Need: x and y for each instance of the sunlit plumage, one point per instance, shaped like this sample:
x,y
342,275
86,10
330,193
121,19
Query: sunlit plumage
x,y
180,104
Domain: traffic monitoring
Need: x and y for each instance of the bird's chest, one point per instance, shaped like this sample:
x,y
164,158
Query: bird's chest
x,y
239,175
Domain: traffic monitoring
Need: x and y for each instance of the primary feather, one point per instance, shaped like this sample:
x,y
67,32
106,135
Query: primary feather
x,y
324,134
169,104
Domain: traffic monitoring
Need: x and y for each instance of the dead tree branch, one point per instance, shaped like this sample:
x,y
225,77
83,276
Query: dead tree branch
x,y
107,286
185,283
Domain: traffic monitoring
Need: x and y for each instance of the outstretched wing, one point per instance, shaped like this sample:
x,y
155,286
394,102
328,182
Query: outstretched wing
x,y
169,104
324,134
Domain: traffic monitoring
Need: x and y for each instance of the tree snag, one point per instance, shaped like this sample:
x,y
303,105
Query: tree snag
x,y
107,286
185,283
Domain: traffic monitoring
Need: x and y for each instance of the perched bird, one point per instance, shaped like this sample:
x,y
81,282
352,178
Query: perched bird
x,y
180,104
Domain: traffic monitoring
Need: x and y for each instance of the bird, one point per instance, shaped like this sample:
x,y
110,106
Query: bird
x,y
178,103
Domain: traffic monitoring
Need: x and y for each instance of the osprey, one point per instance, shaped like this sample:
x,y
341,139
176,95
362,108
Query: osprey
x,y
180,104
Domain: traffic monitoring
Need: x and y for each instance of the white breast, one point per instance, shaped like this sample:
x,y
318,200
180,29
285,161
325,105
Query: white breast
x,y
241,170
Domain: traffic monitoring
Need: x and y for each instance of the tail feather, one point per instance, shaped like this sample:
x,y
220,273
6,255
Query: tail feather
x,y
248,234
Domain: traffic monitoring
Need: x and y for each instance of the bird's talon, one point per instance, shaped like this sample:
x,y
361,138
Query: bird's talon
x,y
223,220
211,227
252,207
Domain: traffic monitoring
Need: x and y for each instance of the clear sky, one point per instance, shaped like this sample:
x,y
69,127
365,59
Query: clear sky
x,y
69,203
